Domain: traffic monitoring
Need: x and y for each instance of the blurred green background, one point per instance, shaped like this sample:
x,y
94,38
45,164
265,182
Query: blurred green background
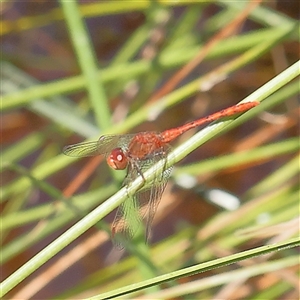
x,y
72,71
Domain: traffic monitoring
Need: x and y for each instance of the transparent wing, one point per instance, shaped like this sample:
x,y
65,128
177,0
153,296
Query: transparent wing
x,y
105,144
143,205
150,197
126,222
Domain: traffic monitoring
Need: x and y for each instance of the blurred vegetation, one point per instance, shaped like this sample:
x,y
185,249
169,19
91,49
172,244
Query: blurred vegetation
x,y
72,71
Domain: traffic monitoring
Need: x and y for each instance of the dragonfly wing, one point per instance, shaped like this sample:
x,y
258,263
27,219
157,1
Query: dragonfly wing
x,y
149,198
143,204
109,142
126,222
82,149
104,145
150,195
127,219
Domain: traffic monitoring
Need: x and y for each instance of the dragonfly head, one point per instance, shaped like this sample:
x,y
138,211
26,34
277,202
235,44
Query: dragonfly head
x,y
117,159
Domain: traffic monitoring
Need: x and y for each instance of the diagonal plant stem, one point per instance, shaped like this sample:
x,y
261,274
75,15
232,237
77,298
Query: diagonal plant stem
x,y
217,263
84,224
114,201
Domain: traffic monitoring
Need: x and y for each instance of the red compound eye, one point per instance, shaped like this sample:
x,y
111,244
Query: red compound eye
x,y
117,159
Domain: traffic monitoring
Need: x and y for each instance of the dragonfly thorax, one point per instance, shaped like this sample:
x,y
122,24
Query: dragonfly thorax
x,y
117,159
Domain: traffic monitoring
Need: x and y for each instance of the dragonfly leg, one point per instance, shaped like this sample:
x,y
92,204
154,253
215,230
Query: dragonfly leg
x,y
138,170
133,171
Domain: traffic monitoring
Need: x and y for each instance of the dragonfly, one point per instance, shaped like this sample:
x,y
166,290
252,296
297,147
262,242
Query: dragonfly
x,y
138,152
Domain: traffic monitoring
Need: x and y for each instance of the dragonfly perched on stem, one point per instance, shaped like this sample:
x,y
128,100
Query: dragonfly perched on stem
x,y
138,152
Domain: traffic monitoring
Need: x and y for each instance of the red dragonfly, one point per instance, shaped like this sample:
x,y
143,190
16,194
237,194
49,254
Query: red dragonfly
x,y
138,152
